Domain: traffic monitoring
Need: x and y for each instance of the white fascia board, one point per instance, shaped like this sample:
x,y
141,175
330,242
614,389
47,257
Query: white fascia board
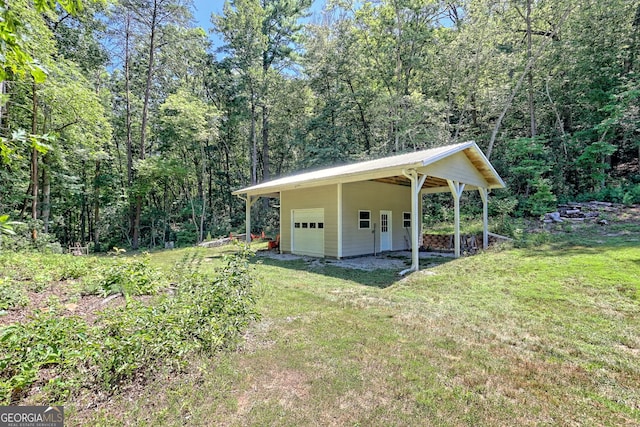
x,y
330,180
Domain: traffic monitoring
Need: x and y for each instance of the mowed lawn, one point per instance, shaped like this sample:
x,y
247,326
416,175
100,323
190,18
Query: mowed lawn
x,y
546,335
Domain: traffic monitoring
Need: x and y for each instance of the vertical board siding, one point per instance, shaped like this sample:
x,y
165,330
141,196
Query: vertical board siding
x,y
310,198
373,196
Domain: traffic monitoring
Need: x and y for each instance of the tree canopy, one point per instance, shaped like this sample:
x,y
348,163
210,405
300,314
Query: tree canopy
x,y
122,123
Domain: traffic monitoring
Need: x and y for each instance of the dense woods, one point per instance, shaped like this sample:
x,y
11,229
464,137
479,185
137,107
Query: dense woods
x,y
121,123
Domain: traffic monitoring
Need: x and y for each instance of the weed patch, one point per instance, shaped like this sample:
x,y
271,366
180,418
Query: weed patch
x,y
51,357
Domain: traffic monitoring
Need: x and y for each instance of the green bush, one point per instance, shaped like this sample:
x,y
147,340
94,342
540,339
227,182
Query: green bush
x,y
542,200
130,276
11,296
203,314
62,344
627,193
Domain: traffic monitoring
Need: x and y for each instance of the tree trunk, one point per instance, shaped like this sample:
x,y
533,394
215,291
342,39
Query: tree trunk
x,y
127,96
515,90
363,120
201,189
34,163
83,204
46,195
96,208
265,143
254,144
3,90
532,111
135,242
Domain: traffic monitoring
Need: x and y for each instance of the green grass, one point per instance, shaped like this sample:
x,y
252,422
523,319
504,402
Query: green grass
x,y
542,335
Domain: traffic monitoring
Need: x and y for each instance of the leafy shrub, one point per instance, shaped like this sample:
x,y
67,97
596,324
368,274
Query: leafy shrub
x,y
12,296
187,235
542,200
632,195
130,276
47,341
204,314
627,193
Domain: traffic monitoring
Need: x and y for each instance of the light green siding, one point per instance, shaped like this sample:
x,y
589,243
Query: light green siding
x,y
374,197
311,198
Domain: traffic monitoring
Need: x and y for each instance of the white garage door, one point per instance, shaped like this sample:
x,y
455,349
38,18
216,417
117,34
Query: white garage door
x,y
307,237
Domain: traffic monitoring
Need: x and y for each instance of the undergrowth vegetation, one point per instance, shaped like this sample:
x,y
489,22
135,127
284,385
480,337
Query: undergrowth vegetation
x,y
54,354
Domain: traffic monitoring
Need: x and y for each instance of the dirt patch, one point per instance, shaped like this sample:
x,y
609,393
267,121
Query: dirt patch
x,y
65,300
289,387
398,260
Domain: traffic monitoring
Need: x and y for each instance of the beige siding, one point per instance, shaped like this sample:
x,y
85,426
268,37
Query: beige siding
x,y
318,197
456,167
374,197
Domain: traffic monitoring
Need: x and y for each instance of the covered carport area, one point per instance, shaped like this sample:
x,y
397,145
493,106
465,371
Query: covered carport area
x,y
453,169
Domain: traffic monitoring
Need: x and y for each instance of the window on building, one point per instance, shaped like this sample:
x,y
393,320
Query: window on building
x,y
406,219
364,219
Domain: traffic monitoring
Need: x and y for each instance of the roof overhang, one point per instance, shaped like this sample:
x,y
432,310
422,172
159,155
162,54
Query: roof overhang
x,y
440,164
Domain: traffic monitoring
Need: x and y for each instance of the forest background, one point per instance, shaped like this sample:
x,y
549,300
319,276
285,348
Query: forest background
x,y
122,123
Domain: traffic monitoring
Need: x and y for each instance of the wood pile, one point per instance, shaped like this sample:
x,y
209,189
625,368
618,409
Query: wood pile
x,y
579,212
468,242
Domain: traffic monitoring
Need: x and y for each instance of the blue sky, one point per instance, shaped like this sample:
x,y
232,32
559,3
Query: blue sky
x,y
204,9
202,15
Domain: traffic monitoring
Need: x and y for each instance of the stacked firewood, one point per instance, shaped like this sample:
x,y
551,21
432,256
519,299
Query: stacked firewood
x,y
468,242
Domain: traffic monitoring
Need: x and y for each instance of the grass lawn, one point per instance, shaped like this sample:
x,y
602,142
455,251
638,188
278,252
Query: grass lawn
x,y
547,335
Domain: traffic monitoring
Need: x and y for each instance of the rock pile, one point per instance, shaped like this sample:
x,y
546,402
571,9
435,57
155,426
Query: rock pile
x,y
578,212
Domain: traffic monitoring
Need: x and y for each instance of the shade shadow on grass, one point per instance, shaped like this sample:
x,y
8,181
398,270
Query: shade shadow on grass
x,y
569,249
378,278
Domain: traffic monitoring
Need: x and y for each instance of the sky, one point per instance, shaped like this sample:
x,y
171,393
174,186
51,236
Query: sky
x,y
202,15
204,9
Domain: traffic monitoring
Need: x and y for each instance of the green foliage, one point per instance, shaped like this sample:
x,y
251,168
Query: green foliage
x,y
593,160
529,160
11,296
48,341
502,207
542,200
129,276
626,193
7,227
203,313
21,240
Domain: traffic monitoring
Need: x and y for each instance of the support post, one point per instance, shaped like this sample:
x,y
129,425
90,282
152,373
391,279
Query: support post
x,y
249,201
456,190
416,186
339,220
485,217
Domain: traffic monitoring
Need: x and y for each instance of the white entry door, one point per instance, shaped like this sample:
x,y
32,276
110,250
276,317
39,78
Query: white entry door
x,y
307,236
385,231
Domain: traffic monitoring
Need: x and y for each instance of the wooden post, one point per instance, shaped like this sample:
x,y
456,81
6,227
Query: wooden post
x,y
249,201
485,217
416,187
339,220
456,190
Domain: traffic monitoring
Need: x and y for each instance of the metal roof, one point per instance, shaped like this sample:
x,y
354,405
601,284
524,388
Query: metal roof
x,y
386,169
